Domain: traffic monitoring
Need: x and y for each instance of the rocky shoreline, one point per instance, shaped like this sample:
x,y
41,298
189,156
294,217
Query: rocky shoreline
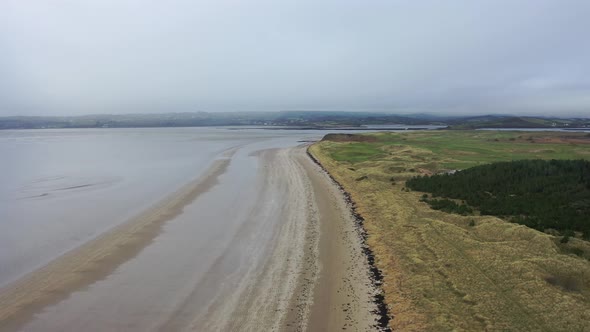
x,y
375,273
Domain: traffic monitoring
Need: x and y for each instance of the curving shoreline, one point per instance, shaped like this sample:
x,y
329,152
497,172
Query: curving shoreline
x,y
376,275
296,261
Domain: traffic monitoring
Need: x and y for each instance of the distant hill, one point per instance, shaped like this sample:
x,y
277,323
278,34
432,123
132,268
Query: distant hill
x,y
505,121
307,119
313,119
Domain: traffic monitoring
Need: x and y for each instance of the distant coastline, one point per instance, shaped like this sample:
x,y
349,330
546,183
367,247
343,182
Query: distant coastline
x,y
301,120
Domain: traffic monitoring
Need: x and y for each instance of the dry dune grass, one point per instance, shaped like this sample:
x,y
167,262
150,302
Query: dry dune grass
x,y
443,273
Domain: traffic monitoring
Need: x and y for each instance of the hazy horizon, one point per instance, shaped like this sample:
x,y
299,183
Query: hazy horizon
x,y
65,58
413,114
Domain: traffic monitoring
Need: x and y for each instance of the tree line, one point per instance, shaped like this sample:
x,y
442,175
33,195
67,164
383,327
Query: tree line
x,y
542,194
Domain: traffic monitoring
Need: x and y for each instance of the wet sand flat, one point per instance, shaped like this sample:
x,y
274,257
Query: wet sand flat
x,y
273,249
96,259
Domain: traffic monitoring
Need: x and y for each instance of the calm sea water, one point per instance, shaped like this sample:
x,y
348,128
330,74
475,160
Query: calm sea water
x,y
61,188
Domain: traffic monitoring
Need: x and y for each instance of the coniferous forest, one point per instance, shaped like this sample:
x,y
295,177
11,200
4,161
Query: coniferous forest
x,y
541,194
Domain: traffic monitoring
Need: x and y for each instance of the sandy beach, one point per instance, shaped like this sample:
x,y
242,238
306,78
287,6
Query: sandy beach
x,y
291,261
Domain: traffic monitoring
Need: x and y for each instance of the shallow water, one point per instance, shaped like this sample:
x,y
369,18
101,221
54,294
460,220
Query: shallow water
x,y
61,188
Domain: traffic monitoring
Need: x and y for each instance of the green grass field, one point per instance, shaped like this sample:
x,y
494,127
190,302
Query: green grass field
x,y
447,272
442,150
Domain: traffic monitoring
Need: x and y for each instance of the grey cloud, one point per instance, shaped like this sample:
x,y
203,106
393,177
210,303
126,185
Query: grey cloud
x,y
73,57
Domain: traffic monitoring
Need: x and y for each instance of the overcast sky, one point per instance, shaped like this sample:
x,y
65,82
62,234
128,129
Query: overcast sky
x,y
122,56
